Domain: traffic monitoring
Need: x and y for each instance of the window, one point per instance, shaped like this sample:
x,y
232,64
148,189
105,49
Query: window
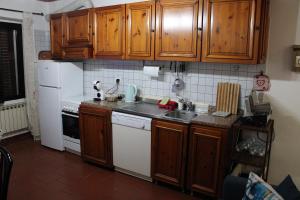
x,y
11,62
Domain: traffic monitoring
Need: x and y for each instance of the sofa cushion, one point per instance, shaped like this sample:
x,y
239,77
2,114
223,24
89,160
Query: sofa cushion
x,y
234,187
288,190
257,189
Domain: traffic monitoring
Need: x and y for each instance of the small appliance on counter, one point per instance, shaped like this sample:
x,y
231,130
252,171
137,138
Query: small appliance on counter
x,y
257,112
100,93
131,93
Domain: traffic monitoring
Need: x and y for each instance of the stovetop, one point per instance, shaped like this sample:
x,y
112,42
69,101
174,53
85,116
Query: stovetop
x,y
71,104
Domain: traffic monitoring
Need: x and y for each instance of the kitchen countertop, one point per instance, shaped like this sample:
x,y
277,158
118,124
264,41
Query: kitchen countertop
x,y
137,108
142,109
152,111
105,104
219,122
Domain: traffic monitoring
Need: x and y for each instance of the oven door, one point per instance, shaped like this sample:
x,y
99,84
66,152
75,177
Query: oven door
x,y
71,125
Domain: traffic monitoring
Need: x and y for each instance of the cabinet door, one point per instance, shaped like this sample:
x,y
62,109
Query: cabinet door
x,y
96,135
140,30
77,53
231,31
205,159
177,35
264,35
169,143
79,28
56,31
109,28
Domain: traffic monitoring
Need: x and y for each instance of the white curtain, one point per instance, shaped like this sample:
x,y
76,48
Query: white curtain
x,y
31,79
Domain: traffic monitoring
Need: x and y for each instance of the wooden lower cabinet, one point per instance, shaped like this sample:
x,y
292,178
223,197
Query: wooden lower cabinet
x,y
207,156
195,158
96,135
169,145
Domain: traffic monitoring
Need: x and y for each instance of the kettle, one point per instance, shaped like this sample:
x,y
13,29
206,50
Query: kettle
x,y
130,93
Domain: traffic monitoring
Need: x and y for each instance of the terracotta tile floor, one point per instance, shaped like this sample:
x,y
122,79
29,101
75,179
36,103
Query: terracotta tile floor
x,y
40,173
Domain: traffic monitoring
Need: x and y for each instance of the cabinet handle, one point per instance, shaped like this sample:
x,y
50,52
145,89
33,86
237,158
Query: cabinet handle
x,y
152,30
200,29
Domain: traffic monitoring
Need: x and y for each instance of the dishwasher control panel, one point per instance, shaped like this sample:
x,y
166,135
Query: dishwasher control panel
x,y
131,120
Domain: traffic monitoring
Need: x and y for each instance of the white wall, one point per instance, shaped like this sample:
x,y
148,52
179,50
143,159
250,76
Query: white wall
x,y
29,6
97,3
56,5
285,91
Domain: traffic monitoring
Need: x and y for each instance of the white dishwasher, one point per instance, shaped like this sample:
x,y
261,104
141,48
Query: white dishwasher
x,y
132,144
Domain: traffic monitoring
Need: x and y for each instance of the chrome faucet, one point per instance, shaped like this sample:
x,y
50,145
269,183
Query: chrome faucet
x,y
190,106
187,105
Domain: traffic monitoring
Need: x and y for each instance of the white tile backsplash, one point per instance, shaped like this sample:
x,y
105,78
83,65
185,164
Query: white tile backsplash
x,y
42,41
201,79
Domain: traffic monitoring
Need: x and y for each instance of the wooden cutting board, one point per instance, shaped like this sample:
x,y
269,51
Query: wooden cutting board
x,y
228,97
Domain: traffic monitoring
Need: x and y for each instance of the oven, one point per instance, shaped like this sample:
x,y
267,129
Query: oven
x,y
70,124
71,133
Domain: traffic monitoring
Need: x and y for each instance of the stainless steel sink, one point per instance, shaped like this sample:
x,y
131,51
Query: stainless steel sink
x,y
181,115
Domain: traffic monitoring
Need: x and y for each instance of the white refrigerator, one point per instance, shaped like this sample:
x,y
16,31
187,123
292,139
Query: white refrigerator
x,y
57,80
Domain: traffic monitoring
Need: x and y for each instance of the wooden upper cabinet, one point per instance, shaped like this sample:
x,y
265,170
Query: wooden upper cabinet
x,y
56,31
140,32
109,29
78,28
177,35
96,135
264,36
169,147
231,31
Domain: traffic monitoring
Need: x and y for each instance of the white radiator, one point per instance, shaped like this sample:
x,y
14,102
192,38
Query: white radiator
x,y
13,118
